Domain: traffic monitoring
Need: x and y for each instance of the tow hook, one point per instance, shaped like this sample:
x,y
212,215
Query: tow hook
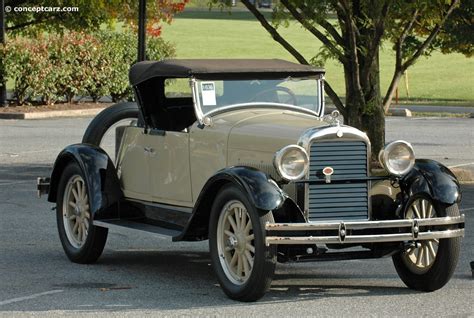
x,y
410,245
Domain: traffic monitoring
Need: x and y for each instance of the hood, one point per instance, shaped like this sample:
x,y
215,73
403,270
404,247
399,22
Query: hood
x,y
268,130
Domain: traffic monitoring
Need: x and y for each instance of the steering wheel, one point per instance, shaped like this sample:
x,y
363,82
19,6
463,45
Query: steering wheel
x,y
291,96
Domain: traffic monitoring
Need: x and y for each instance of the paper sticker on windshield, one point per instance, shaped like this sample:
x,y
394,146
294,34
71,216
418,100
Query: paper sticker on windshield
x,y
208,91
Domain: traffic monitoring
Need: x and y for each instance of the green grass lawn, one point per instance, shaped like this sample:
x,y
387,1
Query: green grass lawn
x,y
239,35
204,34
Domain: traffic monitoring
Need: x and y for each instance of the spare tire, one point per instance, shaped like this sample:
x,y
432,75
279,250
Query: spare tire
x,y
106,122
106,119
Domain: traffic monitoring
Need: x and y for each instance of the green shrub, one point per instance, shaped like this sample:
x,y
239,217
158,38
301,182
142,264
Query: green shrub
x,y
18,66
59,67
121,51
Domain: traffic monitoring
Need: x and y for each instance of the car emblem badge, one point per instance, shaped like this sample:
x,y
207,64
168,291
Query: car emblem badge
x,y
328,171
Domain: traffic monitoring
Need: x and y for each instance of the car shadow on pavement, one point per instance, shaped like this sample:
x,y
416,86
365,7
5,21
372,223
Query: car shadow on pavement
x,y
189,275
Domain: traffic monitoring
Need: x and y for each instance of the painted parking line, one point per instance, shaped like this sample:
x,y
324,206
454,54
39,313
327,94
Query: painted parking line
x,y
16,182
16,154
467,209
18,299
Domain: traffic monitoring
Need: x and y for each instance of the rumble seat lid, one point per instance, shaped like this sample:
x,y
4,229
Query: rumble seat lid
x,y
224,68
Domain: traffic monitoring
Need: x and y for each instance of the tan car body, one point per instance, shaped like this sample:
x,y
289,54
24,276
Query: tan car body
x,y
264,179
173,167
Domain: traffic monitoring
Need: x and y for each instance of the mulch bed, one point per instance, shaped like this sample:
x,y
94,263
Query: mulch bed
x,y
45,108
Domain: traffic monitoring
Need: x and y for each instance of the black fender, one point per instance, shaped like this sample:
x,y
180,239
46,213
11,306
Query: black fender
x,y
100,176
262,191
433,179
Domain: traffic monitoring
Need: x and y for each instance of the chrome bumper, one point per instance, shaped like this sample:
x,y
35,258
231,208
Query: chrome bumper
x,y
412,230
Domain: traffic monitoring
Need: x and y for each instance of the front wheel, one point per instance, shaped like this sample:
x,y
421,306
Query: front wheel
x,y
82,242
243,264
429,265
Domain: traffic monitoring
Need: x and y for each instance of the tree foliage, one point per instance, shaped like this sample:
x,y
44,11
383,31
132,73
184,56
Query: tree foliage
x,y
90,14
352,33
458,33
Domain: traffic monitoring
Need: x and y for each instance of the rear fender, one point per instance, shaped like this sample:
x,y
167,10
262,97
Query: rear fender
x,y
100,176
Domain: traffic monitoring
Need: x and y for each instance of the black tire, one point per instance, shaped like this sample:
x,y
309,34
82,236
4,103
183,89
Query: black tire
x,y
107,118
264,259
96,237
444,263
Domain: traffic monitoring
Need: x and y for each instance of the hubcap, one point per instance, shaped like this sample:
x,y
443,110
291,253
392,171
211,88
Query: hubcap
x,y
235,242
421,257
76,213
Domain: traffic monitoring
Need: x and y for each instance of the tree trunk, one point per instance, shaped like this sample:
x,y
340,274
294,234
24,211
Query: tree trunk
x,y
391,90
367,115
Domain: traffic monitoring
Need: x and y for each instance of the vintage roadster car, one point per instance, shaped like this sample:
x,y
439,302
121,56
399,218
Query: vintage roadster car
x,y
249,161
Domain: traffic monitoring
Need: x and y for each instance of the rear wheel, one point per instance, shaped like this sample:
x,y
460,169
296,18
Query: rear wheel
x,y
243,264
82,242
429,265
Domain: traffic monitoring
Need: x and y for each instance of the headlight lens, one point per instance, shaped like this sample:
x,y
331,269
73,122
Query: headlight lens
x,y
397,157
291,162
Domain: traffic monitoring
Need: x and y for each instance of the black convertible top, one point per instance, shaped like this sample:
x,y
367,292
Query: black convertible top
x,y
223,68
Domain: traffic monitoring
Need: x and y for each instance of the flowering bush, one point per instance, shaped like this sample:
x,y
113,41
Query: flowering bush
x,y
59,67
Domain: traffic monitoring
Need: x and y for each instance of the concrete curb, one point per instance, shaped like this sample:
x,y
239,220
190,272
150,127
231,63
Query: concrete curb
x,y
400,112
464,176
53,114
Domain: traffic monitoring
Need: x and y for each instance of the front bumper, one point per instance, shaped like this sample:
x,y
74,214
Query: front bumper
x,y
359,232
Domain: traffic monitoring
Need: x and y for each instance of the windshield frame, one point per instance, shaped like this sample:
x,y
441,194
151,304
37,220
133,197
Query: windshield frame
x,y
194,82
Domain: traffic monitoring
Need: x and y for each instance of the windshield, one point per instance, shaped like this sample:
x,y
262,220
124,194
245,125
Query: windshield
x,y
213,95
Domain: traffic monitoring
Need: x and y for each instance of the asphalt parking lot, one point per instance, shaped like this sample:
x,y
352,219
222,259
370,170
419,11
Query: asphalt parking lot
x,y
140,274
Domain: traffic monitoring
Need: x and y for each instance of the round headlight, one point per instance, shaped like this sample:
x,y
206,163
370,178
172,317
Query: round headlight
x,y
397,157
291,162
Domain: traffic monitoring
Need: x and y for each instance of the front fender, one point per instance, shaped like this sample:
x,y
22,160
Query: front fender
x,y
262,192
434,179
100,176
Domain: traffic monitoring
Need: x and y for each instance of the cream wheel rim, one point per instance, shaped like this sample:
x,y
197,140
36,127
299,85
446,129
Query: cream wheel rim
x,y
235,242
76,212
419,259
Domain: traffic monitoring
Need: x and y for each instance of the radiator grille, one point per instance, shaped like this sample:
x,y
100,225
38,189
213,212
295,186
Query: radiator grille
x,y
338,201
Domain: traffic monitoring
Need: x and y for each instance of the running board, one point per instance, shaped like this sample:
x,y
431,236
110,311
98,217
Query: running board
x,y
144,227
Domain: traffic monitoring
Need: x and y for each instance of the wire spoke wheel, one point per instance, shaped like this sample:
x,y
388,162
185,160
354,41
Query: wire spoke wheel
x,y
76,211
235,242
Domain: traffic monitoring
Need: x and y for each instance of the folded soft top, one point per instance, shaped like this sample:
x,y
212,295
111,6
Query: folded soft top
x,y
221,68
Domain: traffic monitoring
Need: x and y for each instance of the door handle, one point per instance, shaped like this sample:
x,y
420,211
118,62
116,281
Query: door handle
x,y
149,150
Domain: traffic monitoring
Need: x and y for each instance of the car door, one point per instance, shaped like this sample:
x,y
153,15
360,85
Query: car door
x,y
170,176
133,164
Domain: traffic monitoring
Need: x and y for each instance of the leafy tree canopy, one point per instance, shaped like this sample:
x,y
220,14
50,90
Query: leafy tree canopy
x,y
90,14
352,32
